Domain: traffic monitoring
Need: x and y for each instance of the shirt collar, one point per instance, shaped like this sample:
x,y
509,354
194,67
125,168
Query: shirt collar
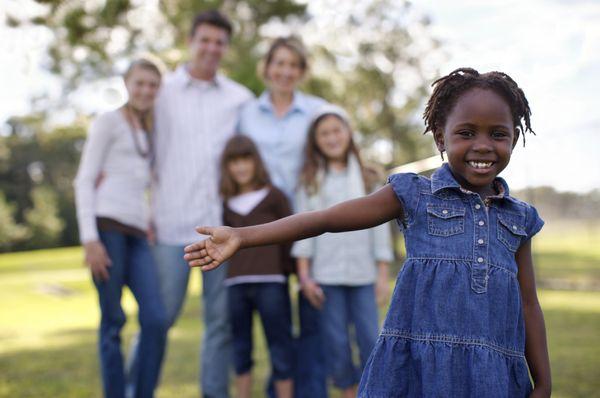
x,y
299,102
186,80
442,178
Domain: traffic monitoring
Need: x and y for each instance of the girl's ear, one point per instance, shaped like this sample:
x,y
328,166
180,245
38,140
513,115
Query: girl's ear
x,y
438,136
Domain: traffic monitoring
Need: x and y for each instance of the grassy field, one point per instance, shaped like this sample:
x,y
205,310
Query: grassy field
x,y
49,315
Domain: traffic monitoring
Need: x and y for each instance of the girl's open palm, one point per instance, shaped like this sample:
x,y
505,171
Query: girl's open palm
x,y
210,253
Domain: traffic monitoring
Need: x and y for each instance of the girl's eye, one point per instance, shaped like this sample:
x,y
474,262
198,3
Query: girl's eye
x,y
499,134
466,133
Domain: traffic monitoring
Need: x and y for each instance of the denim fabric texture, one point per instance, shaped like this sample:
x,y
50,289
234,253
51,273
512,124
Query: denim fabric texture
x,y
347,307
272,302
455,325
132,266
310,380
215,352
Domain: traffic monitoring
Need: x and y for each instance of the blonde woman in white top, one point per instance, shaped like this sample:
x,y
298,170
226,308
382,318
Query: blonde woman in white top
x,y
112,211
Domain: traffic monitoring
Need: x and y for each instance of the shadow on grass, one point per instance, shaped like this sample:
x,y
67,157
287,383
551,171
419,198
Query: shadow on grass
x,y
574,345
70,368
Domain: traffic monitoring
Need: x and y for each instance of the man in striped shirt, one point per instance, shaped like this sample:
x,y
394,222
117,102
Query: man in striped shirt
x,y
197,111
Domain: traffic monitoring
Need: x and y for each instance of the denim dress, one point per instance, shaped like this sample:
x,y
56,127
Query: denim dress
x,y
455,326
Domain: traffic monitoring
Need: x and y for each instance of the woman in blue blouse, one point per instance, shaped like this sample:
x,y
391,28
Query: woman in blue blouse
x,y
277,121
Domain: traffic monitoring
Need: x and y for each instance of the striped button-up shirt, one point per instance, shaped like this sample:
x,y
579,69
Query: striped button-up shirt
x,y
194,119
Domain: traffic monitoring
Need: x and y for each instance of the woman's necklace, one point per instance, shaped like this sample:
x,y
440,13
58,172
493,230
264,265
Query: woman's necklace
x,y
130,121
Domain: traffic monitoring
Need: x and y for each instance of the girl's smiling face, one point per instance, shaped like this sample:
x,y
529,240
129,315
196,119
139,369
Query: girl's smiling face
x,y
478,138
332,137
242,171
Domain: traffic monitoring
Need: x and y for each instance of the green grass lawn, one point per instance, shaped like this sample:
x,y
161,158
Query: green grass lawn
x,y
49,315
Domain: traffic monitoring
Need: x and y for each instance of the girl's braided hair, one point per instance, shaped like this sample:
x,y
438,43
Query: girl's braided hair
x,y
449,88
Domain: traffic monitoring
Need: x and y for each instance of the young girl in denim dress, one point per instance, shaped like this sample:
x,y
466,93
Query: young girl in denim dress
x,y
342,275
464,320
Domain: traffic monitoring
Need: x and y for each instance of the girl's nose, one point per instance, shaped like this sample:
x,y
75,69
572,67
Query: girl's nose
x,y
482,146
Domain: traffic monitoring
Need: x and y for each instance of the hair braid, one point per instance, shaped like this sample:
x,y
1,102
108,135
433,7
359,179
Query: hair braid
x,y
449,88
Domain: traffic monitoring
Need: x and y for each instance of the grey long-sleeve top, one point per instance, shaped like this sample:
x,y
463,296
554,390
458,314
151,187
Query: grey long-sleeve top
x,y
347,258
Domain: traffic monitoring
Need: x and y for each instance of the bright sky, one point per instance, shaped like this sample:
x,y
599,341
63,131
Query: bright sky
x,y
550,47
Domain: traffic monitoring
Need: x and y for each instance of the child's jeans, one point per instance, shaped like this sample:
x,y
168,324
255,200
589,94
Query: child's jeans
x,y
345,306
272,301
133,266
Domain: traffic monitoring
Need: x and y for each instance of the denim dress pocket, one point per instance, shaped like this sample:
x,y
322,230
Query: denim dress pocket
x,y
445,220
511,231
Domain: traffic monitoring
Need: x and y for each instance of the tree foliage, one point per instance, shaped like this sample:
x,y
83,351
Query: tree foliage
x,y
35,160
43,220
367,56
11,232
374,61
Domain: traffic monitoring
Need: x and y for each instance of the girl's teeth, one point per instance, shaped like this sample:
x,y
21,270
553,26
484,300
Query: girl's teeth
x,y
480,165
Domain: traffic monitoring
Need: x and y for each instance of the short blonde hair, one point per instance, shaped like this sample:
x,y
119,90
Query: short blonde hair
x,y
147,62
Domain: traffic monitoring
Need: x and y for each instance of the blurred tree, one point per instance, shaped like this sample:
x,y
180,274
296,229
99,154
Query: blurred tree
x,y
374,60
367,55
92,36
11,233
43,220
35,154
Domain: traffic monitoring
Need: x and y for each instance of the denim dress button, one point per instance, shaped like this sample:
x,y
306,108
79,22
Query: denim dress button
x,y
481,223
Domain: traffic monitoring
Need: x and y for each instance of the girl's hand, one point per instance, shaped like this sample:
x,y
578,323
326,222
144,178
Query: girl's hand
x,y
212,252
313,292
539,393
97,259
382,284
151,234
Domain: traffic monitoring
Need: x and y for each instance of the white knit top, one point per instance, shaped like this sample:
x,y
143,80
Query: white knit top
x,y
121,195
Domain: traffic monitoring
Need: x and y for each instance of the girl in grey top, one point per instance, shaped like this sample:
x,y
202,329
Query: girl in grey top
x,y
341,274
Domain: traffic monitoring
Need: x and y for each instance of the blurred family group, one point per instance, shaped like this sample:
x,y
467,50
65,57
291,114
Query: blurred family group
x,y
193,147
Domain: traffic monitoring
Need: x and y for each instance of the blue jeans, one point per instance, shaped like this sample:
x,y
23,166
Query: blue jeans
x,y
311,376
132,266
215,355
345,306
272,301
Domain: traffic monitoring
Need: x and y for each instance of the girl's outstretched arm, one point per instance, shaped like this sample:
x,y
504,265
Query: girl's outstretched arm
x,y
366,212
536,347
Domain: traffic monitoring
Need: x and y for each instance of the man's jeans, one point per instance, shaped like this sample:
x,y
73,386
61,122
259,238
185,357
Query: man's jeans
x,y
215,353
132,265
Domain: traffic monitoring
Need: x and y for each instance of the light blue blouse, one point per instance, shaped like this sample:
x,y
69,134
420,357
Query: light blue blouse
x,y
280,140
